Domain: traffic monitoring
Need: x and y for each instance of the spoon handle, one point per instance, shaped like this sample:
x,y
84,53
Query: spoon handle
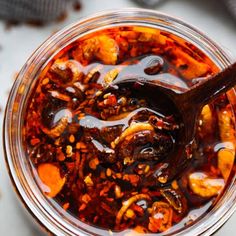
x,y
203,93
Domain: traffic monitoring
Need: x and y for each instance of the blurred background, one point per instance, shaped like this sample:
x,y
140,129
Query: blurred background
x,y
18,40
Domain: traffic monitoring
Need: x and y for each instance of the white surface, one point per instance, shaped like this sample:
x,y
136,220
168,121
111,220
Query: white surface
x,y
19,42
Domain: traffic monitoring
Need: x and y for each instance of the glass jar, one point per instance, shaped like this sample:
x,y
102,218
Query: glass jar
x,y
54,220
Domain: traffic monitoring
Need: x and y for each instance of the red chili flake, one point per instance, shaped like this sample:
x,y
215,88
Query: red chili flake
x,y
34,141
137,209
106,208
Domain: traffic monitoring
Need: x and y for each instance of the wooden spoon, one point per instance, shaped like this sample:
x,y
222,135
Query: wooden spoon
x,y
186,105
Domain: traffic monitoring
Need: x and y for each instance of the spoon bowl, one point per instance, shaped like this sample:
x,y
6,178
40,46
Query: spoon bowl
x,y
185,106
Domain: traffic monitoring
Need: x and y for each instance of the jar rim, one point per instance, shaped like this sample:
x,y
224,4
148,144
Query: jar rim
x,y
20,174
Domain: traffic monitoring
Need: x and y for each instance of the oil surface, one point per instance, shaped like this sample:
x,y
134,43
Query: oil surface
x,y
99,149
